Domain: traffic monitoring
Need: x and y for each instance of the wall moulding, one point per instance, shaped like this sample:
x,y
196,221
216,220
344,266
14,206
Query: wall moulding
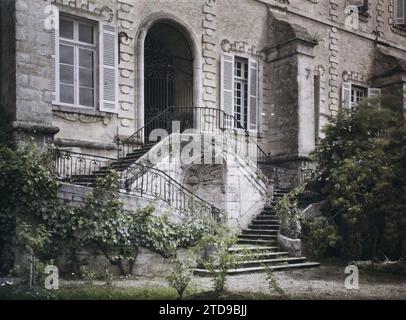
x,y
88,6
242,47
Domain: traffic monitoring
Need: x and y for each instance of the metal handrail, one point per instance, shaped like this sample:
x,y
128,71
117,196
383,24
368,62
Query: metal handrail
x,y
223,121
73,166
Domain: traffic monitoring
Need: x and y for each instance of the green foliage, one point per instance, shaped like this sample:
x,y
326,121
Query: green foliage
x,y
219,260
180,277
397,267
289,214
28,187
362,166
273,283
320,236
28,184
88,275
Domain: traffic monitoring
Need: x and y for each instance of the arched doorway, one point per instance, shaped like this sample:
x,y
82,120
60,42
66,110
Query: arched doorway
x,y
168,74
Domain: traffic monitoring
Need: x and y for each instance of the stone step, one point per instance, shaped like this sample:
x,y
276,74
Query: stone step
x,y
264,227
262,255
260,232
138,153
271,262
264,222
204,272
260,217
269,216
253,249
257,242
258,236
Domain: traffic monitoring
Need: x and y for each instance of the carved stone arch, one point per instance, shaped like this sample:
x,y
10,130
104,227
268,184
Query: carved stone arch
x,y
140,37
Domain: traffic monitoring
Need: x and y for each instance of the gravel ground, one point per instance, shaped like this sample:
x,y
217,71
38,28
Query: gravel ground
x,y
325,282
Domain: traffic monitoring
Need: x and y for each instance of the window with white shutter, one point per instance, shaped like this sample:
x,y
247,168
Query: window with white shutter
x,y
354,94
346,95
84,65
399,12
253,95
108,69
239,92
55,61
227,86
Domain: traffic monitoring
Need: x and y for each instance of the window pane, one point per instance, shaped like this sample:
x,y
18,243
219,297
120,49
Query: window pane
x,y
86,97
66,53
86,78
86,58
67,74
66,29
85,33
67,94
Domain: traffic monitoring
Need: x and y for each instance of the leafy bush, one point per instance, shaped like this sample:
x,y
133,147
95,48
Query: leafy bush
x,y
320,236
220,260
362,166
273,283
180,277
28,187
289,214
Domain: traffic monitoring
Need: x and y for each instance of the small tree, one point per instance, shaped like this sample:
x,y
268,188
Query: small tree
x,y
219,260
362,175
180,277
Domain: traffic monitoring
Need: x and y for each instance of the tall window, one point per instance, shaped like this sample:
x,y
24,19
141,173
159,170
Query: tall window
x,y
353,94
77,62
241,71
240,91
357,95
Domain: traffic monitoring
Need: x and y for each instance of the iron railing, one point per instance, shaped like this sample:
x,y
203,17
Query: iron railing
x,y
307,175
72,164
201,120
145,181
137,180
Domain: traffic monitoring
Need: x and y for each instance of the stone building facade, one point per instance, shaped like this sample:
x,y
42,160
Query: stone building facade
x,y
88,73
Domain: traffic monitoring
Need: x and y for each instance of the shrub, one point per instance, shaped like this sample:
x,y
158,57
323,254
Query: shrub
x,y
180,277
220,260
320,236
362,173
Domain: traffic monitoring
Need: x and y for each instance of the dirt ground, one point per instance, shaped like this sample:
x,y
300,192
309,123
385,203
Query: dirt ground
x,y
325,282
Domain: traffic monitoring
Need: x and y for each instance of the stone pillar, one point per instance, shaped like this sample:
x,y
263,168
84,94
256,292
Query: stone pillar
x,y
291,71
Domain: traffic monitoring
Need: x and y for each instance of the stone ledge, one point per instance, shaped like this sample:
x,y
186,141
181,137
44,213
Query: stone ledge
x,y
32,127
294,246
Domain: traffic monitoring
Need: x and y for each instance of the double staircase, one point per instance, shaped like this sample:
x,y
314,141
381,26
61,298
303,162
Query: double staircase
x,y
257,247
119,165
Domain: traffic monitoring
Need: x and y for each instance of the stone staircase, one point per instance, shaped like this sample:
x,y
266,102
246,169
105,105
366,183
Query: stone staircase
x,y
119,165
258,246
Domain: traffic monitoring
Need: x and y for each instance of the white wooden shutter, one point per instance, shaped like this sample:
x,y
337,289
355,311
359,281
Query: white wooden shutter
x,y
400,12
374,92
227,86
346,95
108,69
55,59
253,95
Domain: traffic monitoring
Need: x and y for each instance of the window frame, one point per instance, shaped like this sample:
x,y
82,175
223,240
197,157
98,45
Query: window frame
x,y
357,88
77,45
243,81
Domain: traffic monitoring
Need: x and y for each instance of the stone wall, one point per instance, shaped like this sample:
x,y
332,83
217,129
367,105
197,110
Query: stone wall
x,y
7,58
288,61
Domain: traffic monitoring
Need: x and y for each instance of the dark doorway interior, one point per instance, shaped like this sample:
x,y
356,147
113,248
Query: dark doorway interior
x,y
168,74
